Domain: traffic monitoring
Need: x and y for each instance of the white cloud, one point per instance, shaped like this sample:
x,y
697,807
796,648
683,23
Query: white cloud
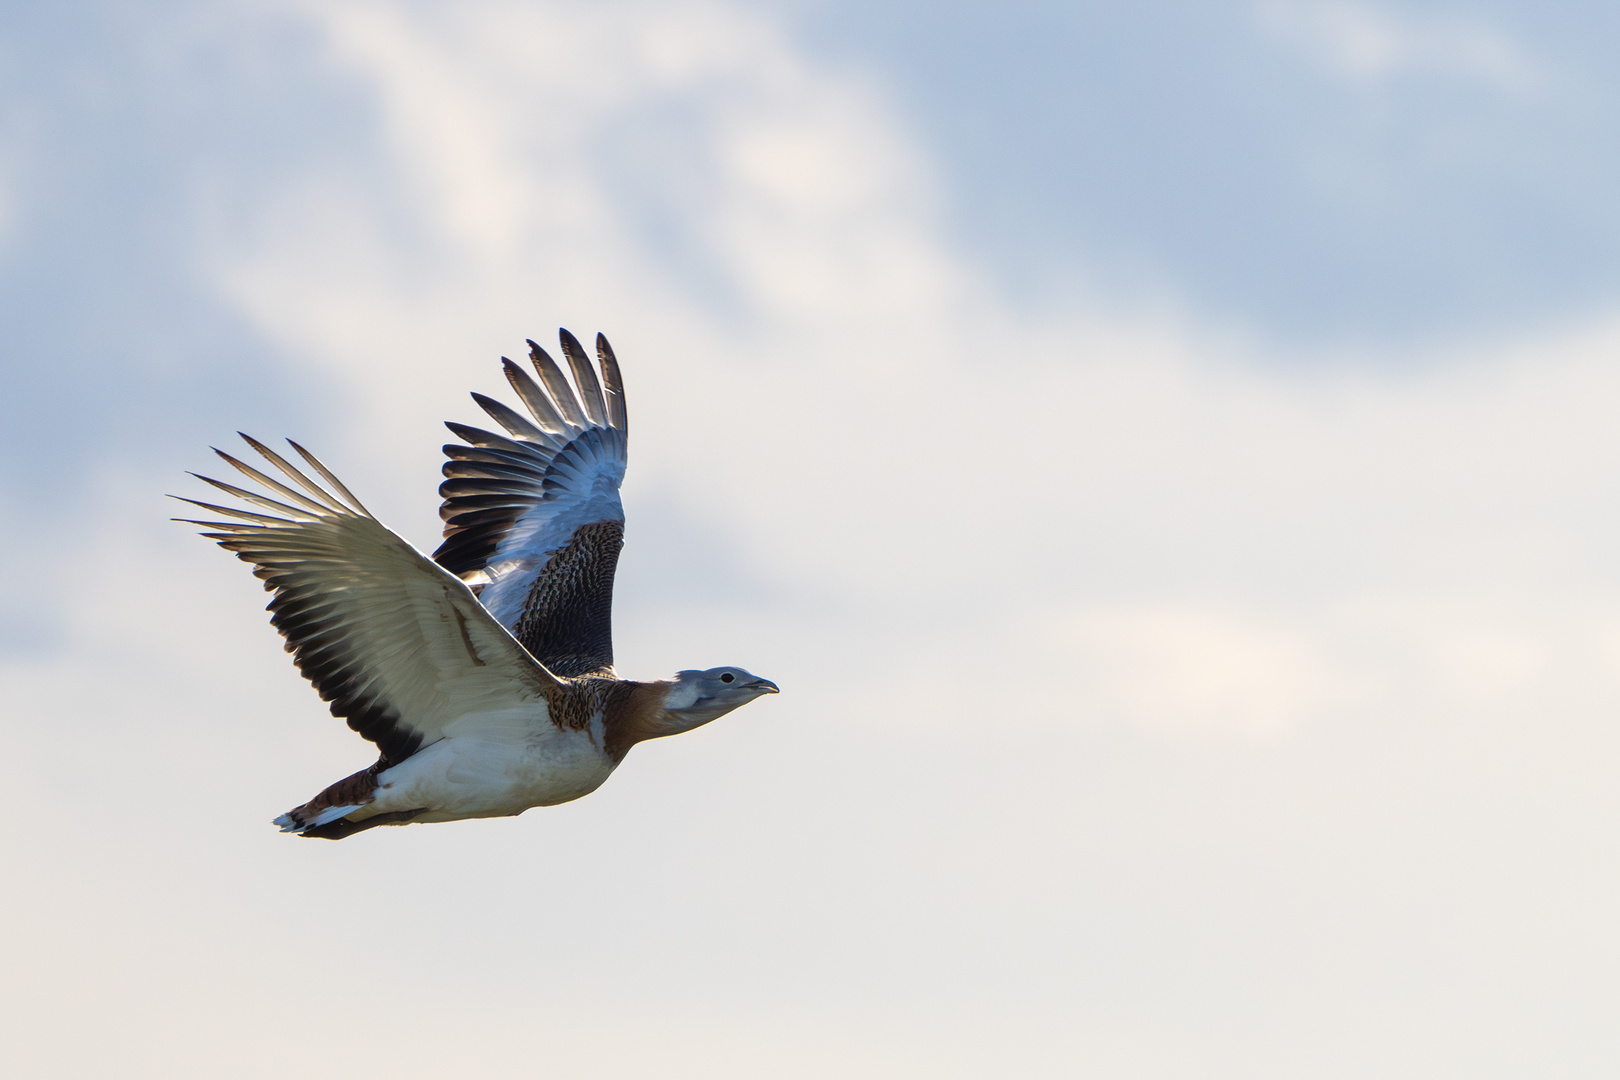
x,y
1187,671
1370,43
913,440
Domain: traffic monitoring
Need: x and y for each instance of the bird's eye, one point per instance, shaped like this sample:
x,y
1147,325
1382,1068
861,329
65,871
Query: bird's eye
x,y
728,677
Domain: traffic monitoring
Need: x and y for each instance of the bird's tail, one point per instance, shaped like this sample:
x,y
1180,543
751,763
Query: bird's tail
x,y
327,815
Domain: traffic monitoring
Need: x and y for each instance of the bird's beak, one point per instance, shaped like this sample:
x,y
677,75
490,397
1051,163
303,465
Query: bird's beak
x,y
765,686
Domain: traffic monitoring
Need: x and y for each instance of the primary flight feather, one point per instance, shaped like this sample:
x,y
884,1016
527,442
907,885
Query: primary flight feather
x,y
484,675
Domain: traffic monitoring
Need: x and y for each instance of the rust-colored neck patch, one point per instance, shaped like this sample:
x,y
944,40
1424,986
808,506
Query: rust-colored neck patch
x,y
632,716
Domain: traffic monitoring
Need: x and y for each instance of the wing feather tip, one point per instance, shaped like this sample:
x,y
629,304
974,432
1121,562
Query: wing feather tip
x,y
331,478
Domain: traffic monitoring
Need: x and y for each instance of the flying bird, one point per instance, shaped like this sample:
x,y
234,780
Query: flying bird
x,y
484,674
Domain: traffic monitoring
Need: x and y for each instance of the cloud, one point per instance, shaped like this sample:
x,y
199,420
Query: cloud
x,y
1186,671
911,436
839,396
1371,44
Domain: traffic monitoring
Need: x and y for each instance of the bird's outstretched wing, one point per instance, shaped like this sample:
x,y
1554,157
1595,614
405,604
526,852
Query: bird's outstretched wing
x,y
533,521
401,649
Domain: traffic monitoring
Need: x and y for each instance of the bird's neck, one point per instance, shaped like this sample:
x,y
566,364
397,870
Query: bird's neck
x,y
639,713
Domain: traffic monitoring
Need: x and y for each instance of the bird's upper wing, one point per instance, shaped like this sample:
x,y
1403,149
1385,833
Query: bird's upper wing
x,y
533,521
401,649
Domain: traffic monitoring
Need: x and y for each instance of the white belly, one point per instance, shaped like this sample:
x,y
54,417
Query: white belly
x,y
468,776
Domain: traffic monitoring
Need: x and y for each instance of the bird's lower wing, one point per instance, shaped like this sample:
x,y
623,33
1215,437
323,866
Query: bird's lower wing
x,y
398,646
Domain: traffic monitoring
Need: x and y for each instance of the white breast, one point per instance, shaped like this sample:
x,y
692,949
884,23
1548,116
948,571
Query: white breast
x,y
492,774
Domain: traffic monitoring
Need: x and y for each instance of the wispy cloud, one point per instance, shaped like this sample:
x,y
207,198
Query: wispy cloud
x,y
1369,43
830,313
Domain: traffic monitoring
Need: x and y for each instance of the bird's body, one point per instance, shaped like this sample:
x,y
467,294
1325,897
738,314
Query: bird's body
x,y
468,778
484,675
506,761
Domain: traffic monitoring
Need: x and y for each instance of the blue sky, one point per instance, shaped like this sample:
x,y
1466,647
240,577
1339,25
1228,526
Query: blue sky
x,y
1228,158
1241,158
1164,454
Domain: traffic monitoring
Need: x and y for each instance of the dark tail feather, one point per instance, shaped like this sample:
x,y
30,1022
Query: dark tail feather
x,y
342,827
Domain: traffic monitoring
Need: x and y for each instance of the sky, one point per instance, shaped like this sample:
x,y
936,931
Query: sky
x,y
1164,453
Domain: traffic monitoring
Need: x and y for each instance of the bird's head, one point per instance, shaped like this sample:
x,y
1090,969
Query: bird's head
x,y
696,697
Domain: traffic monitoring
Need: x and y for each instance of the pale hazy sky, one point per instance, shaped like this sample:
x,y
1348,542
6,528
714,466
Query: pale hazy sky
x,y
1165,453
